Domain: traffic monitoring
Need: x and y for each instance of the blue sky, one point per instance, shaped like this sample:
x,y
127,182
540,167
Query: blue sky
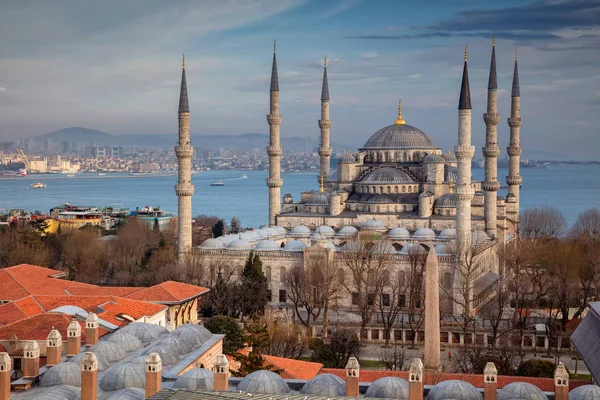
x,y
115,66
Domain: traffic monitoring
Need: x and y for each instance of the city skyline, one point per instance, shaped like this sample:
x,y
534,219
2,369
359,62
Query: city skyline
x,y
116,69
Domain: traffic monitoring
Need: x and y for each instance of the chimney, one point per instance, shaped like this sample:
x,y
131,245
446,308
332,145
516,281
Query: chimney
x,y
221,370
89,377
53,347
91,329
415,380
13,343
73,338
352,374
490,381
153,374
561,383
4,376
31,362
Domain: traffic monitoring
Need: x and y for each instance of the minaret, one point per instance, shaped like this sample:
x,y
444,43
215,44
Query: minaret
x,y
184,188
514,179
325,125
274,150
491,151
464,154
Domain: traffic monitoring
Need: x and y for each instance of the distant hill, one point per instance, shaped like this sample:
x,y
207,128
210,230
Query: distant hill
x,y
77,135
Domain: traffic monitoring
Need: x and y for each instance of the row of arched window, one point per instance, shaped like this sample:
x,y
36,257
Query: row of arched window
x,y
394,156
382,189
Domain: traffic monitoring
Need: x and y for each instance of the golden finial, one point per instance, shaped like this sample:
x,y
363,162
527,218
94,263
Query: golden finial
x,y
449,152
516,54
493,39
183,61
347,152
466,52
451,186
325,61
274,45
400,121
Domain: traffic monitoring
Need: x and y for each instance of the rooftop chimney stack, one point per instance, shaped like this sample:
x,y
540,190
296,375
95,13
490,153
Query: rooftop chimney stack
x,y
153,374
221,370
13,343
352,374
5,366
53,347
89,377
91,329
561,383
415,380
73,338
31,360
490,381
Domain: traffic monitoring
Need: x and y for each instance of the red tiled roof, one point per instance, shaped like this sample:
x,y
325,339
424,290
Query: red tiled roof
x,y
10,313
133,308
169,291
10,289
33,280
103,291
38,327
29,306
2,349
293,369
88,303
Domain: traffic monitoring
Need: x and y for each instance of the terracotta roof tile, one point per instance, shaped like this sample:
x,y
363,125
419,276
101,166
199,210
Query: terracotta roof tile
x,y
294,369
133,308
2,349
29,306
10,313
35,281
103,291
38,327
10,289
169,291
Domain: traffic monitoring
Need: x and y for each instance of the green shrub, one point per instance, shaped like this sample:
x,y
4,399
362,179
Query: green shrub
x,y
229,327
537,368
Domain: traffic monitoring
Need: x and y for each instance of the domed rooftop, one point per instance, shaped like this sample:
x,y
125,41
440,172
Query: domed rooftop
x,y
174,345
65,373
250,236
167,356
388,388
399,136
192,334
442,249
381,199
227,239
294,245
347,231
144,331
386,175
449,157
454,390
127,394
280,229
521,391
319,199
424,234
448,200
325,230
103,365
197,378
325,385
350,247
212,244
413,248
399,233
347,158
127,341
434,159
374,225
239,244
267,245
263,382
122,376
63,392
315,237
585,392
108,350
447,234
479,237
300,231
383,247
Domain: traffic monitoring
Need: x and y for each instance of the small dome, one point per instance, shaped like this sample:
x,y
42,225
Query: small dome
x,y
388,388
374,225
64,373
267,245
294,245
127,394
103,365
399,234
434,159
442,249
212,244
325,385
250,236
63,392
448,200
266,382
386,175
300,231
350,247
192,334
478,237
167,356
174,345
401,136
239,244
319,199
127,341
108,350
424,234
521,391
280,229
315,237
454,390
450,158
383,247
144,331
413,248
585,392
197,378
326,230
272,232
123,376
381,199
347,159
227,239
447,234
347,231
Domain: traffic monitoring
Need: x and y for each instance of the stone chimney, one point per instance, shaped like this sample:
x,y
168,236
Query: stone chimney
x,y
31,359
561,383
53,347
73,338
91,329
89,377
4,376
221,370
153,374
415,380
13,343
490,381
352,374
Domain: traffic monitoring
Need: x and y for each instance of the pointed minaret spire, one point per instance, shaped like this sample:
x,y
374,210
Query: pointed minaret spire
x,y
493,80
183,96
516,92
274,77
325,88
274,150
464,102
514,178
325,126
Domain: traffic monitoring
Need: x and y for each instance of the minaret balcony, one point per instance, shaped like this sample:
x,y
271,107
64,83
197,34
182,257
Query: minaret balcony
x,y
491,151
490,186
324,123
491,118
514,151
464,192
514,122
184,189
325,151
514,180
274,151
184,151
464,152
274,182
274,119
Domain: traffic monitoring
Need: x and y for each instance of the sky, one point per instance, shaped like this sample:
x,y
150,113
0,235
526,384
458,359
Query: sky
x,y
115,66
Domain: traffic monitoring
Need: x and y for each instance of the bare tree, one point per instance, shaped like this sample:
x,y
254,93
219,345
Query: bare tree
x,y
542,223
388,303
284,341
412,287
303,295
495,311
394,358
586,233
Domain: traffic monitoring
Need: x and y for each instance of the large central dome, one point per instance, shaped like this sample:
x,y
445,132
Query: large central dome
x,y
399,136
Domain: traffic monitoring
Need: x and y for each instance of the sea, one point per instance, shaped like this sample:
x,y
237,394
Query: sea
x,y
569,188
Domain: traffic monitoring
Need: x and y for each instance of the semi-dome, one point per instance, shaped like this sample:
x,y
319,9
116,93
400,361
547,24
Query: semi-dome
x,y
267,245
450,158
127,341
386,175
63,392
294,245
325,230
347,231
413,248
424,234
585,392
388,388
521,391
347,159
212,244
103,365
434,159
144,331
447,234
239,244
442,249
399,233
197,378
300,231
65,373
454,390
318,199
122,376
448,200
108,350
263,382
374,225
325,385
399,136
381,199
127,394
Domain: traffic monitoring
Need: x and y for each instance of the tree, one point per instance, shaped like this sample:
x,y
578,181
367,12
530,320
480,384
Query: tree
x,y
218,229
494,311
586,232
542,223
235,224
343,344
252,290
412,288
303,294
537,368
284,341
256,337
229,327
394,358
221,298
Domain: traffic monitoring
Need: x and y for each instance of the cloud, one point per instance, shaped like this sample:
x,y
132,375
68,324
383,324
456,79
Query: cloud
x,y
3,89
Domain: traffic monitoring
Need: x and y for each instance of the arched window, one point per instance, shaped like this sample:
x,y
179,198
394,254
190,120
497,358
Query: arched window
x,y
282,275
268,274
403,189
447,282
226,272
397,246
389,189
396,189
404,157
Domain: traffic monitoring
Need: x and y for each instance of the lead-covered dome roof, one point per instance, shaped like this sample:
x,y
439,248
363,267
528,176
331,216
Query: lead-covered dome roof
x,y
448,200
399,233
267,245
263,382
325,385
127,341
63,392
401,136
144,331
388,388
387,175
128,394
454,390
197,378
434,159
65,373
122,376
110,351
319,198
521,391
585,392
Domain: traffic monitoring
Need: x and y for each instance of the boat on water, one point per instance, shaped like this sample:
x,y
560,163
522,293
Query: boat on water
x,y
38,185
244,176
70,175
101,173
218,183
